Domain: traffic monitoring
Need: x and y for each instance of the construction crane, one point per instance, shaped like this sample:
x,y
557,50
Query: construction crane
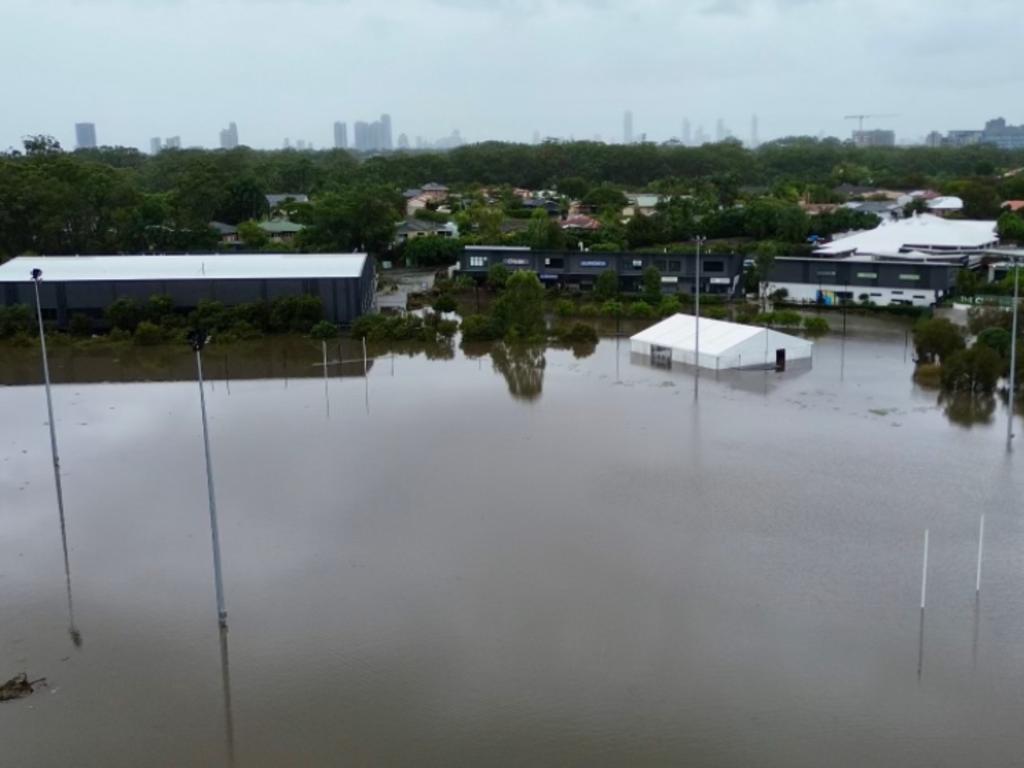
x,y
860,118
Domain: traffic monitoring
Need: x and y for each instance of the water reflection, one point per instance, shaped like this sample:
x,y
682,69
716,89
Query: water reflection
x,y
523,368
967,410
229,718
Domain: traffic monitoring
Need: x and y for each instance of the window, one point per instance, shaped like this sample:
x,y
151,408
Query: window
x,y
822,273
910,277
478,261
661,265
713,266
867,275
554,263
638,263
674,266
917,296
897,293
875,294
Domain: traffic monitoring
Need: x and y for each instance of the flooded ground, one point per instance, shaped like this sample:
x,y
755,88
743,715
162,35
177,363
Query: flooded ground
x,y
541,558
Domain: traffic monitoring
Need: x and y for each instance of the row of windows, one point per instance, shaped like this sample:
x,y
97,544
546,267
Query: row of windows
x,y
663,265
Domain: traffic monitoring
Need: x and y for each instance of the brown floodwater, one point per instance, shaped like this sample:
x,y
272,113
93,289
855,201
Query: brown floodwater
x,y
512,558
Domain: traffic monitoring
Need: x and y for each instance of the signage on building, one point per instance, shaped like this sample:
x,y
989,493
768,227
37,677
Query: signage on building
x,y
547,276
720,281
593,263
868,275
517,262
669,279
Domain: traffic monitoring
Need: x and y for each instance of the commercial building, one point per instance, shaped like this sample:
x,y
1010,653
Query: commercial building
x,y
996,131
721,274
229,137
924,234
723,345
340,135
880,280
874,138
345,282
85,135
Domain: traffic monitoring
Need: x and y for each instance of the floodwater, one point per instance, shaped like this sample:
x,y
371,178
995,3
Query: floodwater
x,y
520,559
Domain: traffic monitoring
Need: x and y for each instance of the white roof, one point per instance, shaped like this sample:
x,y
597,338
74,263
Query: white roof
x,y
716,336
184,267
945,204
920,232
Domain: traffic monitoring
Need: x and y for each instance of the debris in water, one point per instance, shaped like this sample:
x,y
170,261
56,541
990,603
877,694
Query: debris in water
x,y
18,687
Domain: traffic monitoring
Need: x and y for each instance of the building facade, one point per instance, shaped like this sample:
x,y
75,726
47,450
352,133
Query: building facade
x,y
340,135
720,274
85,135
345,283
874,138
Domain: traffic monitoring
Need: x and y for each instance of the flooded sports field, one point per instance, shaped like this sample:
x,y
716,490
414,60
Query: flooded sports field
x,y
509,557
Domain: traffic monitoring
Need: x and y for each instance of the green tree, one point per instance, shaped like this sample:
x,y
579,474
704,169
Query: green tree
x,y
936,338
652,285
1010,227
497,276
124,314
607,285
543,232
252,235
967,282
764,263
519,311
974,370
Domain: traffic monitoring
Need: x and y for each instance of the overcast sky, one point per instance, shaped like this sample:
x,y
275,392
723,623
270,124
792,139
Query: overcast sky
x,y
502,69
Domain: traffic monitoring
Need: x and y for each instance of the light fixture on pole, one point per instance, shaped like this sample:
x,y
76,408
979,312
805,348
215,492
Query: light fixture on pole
x,y
76,636
197,340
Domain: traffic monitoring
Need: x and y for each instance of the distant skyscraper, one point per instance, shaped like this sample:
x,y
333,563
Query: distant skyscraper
x,y
627,127
536,137
699,137
403,141
340,135
362,136
85,135
721,132
155,146
300,144
287,143
385,132
173,142
229,137
686,135
754,140
876,138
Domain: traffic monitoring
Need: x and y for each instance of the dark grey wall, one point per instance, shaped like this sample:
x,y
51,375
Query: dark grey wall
x,y
939,277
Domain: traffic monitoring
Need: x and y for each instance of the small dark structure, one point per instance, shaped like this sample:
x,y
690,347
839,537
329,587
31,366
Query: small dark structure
x,y
345,282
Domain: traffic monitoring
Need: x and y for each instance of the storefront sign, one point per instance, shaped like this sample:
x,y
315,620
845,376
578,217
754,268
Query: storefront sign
x,y
720,281
514,262
593,263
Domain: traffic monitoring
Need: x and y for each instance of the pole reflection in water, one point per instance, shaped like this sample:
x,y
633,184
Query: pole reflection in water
x,y
974,641
920,647
327,396
229,718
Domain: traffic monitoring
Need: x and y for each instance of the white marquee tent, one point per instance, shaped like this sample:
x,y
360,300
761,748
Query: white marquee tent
x,y
723,345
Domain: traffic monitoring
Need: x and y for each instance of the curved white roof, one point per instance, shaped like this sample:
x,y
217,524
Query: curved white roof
x,y
945,204
921,232
185,267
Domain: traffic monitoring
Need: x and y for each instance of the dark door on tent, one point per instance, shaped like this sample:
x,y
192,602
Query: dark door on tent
x,y
780,359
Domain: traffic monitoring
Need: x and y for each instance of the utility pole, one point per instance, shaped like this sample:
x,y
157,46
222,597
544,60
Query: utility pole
x,y
1013,358
197,339
696,317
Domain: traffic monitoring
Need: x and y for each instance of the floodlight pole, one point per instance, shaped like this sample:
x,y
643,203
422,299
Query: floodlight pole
x,y
198,340
1013,358
696,316
37,275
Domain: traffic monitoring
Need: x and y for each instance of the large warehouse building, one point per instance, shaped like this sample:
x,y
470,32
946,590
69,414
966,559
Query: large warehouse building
x,y
344,282
723,345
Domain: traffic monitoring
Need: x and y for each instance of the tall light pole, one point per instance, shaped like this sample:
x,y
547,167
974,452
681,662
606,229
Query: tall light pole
x,y
1013,357
696,317
197,339
76,637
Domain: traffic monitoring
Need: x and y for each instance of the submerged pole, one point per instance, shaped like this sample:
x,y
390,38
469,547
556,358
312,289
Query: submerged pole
x,y
1013,359
76,637
364,357
981,544
924,571
198,339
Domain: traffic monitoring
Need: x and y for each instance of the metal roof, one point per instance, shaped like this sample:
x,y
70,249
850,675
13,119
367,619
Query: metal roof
x,y
920,232
184,267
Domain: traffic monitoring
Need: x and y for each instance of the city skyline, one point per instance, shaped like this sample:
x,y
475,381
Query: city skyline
x,y
355,59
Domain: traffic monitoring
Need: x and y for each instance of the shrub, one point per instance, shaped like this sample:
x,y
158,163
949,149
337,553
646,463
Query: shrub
x,y
640,309
124,314
997,339
148,334
928,375
14,319
158,306
936,338
816,326
243,330
446,328
972,370
80,325
613,308
577,333
478,328
497,276
669,305
324,329
588,310
607,285
255,314
787,318
297,314
445,303
714,313
210,316
564,308
119,334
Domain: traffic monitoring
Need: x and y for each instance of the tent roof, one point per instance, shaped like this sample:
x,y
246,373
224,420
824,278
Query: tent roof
x,y
716,336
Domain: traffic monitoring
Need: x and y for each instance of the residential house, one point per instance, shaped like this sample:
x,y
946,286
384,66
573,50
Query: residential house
x,y
580,223
281,230
228,232
411,228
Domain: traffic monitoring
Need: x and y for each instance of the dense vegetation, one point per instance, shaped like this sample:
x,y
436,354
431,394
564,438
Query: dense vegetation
x,y
112,200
